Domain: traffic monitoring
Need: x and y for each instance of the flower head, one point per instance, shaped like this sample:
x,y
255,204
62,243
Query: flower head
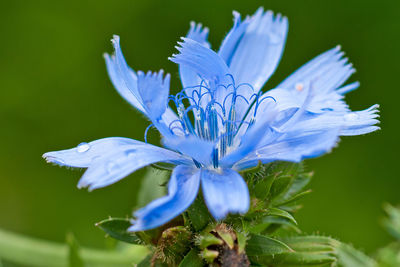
x,y
221,122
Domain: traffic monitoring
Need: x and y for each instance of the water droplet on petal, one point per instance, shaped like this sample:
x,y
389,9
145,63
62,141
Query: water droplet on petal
x,y
131,153
351,116
83,147
299,86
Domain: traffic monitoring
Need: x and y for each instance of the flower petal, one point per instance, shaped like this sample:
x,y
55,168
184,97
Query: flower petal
x,y
154,91
83,155
229,44
198,149
124,70
119,83
125,81
117,165
205,62
182,191
350,123
294,147
325,74
189,77
258,51
224,192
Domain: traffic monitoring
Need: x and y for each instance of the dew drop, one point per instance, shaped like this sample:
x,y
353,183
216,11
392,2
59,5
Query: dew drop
x,y
131,153
351,117
83,147
299,86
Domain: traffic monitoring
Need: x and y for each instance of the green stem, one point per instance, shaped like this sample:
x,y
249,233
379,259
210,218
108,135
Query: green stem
x,y
34,252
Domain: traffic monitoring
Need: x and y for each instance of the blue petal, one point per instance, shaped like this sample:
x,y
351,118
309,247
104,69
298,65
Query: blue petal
x,y
114,167
202,60
125,81
154,92
294,147
111,159
350,123
124,70
229,44
325,74
258,51
182,190
196,148
83,155
119,83
189,77
224,192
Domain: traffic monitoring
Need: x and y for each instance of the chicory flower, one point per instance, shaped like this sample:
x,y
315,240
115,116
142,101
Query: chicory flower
x,y
221,122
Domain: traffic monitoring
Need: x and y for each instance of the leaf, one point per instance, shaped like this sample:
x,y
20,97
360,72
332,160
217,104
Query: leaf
x,y
299,183
294,198
279,186
241,239
198,214
262,188
259,245
281,213
27,251
117,228
146,262
392,222
349,256
151,187
311,250
75,259
192,259
206,239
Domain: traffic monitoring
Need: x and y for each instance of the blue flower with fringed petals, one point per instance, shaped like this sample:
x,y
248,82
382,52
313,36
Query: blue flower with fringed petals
x,y
221,122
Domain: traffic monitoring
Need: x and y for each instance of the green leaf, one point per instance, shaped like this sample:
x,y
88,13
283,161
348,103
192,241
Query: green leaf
x,y
152,186
209,255
227,237
192,259
311,250
392,222
27,251
286,201
259,245
117,228
349,256
242,240
198,214
263,186
279,186
206,239
146,262
389,256
75,259
281,213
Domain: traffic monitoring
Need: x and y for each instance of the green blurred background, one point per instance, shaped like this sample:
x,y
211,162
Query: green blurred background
x,y
55,93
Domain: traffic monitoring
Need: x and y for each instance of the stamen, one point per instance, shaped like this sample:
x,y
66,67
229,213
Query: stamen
x,y
146,132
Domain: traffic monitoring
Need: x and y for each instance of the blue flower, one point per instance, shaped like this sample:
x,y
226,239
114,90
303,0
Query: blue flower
x,y
221,122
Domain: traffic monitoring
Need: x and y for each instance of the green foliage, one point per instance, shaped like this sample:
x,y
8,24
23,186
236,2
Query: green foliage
x,y
117,228
34,252
192,259
266,236
75,259
392,222
153,186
